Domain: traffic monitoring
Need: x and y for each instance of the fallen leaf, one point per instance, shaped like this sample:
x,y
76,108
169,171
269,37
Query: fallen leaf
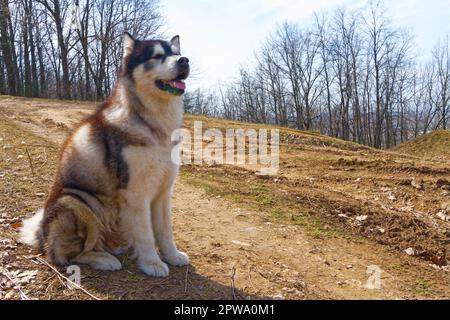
x,y
441,214
17,225
24,276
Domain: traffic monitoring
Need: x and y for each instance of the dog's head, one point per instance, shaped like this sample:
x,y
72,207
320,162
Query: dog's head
x,y
155,67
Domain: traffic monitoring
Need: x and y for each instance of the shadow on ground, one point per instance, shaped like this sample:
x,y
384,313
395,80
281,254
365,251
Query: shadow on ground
x,y
182,283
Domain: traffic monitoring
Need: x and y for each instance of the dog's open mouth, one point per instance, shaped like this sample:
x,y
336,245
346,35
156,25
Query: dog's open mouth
x,y
175,87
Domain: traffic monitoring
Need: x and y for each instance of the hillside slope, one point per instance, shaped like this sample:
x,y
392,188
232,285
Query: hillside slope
x,y
435,145
334,209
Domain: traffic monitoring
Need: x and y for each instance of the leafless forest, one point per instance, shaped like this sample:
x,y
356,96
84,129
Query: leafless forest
x,y
349,74
68,49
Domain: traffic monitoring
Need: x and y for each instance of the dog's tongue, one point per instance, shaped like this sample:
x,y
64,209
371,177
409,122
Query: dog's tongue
x,y
178,84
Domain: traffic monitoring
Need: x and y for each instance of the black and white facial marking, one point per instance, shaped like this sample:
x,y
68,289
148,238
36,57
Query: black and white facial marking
x,y
158,60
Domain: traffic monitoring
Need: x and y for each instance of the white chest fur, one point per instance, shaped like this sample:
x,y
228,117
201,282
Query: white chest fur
x,y
150,168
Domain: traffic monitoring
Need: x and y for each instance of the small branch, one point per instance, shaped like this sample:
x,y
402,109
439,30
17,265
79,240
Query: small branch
x,y
29,160
233,273
186,279
61,275
46,159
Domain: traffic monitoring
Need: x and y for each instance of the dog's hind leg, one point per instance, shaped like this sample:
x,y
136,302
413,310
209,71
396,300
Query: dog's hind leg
x,y
100,260
72,233
74,236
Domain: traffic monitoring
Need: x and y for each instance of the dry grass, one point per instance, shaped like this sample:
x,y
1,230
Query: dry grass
x,y
434,145
23,188
323,185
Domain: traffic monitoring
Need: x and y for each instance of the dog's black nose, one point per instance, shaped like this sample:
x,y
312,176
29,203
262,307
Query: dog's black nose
x,y
183,60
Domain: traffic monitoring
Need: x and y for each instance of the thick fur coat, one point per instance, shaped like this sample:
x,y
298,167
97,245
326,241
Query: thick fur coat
x,y
113,186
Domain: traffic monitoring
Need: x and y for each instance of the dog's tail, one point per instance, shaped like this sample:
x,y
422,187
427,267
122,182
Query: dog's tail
x,y
30,230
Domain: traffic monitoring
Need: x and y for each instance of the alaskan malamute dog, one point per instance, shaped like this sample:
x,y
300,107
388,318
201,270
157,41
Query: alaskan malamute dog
x,y
112,190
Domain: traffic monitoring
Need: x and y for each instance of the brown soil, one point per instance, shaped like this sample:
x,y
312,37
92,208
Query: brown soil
x,y
301,235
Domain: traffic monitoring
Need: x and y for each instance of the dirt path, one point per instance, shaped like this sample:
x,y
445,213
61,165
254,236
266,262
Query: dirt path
x,y
233,247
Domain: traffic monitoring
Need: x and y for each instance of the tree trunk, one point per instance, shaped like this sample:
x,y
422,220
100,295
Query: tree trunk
x,y
8,56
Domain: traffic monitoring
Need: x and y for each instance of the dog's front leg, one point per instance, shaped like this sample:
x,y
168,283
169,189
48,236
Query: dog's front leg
x,y
138,227
162,227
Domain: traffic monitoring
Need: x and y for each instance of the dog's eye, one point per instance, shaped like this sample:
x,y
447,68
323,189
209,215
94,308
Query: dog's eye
x,y
158,56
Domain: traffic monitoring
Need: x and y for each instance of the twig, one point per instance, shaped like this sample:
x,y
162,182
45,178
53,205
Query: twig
x,y
71,282
186,279
43,145
23,296
233,273
46,159
29,160
198,291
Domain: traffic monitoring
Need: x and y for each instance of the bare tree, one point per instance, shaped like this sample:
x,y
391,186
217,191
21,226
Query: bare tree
x,y
8,56
438,84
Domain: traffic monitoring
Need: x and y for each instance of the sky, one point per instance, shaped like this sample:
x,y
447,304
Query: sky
x,y
218,36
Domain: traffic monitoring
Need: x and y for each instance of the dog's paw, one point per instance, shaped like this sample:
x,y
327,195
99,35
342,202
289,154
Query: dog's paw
x,y
154,268
178,259
107,264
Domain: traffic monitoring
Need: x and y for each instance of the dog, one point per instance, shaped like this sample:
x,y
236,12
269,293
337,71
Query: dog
x,y
113,186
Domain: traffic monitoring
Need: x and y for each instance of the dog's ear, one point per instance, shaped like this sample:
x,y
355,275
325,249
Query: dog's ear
x,y
175,42
128,44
